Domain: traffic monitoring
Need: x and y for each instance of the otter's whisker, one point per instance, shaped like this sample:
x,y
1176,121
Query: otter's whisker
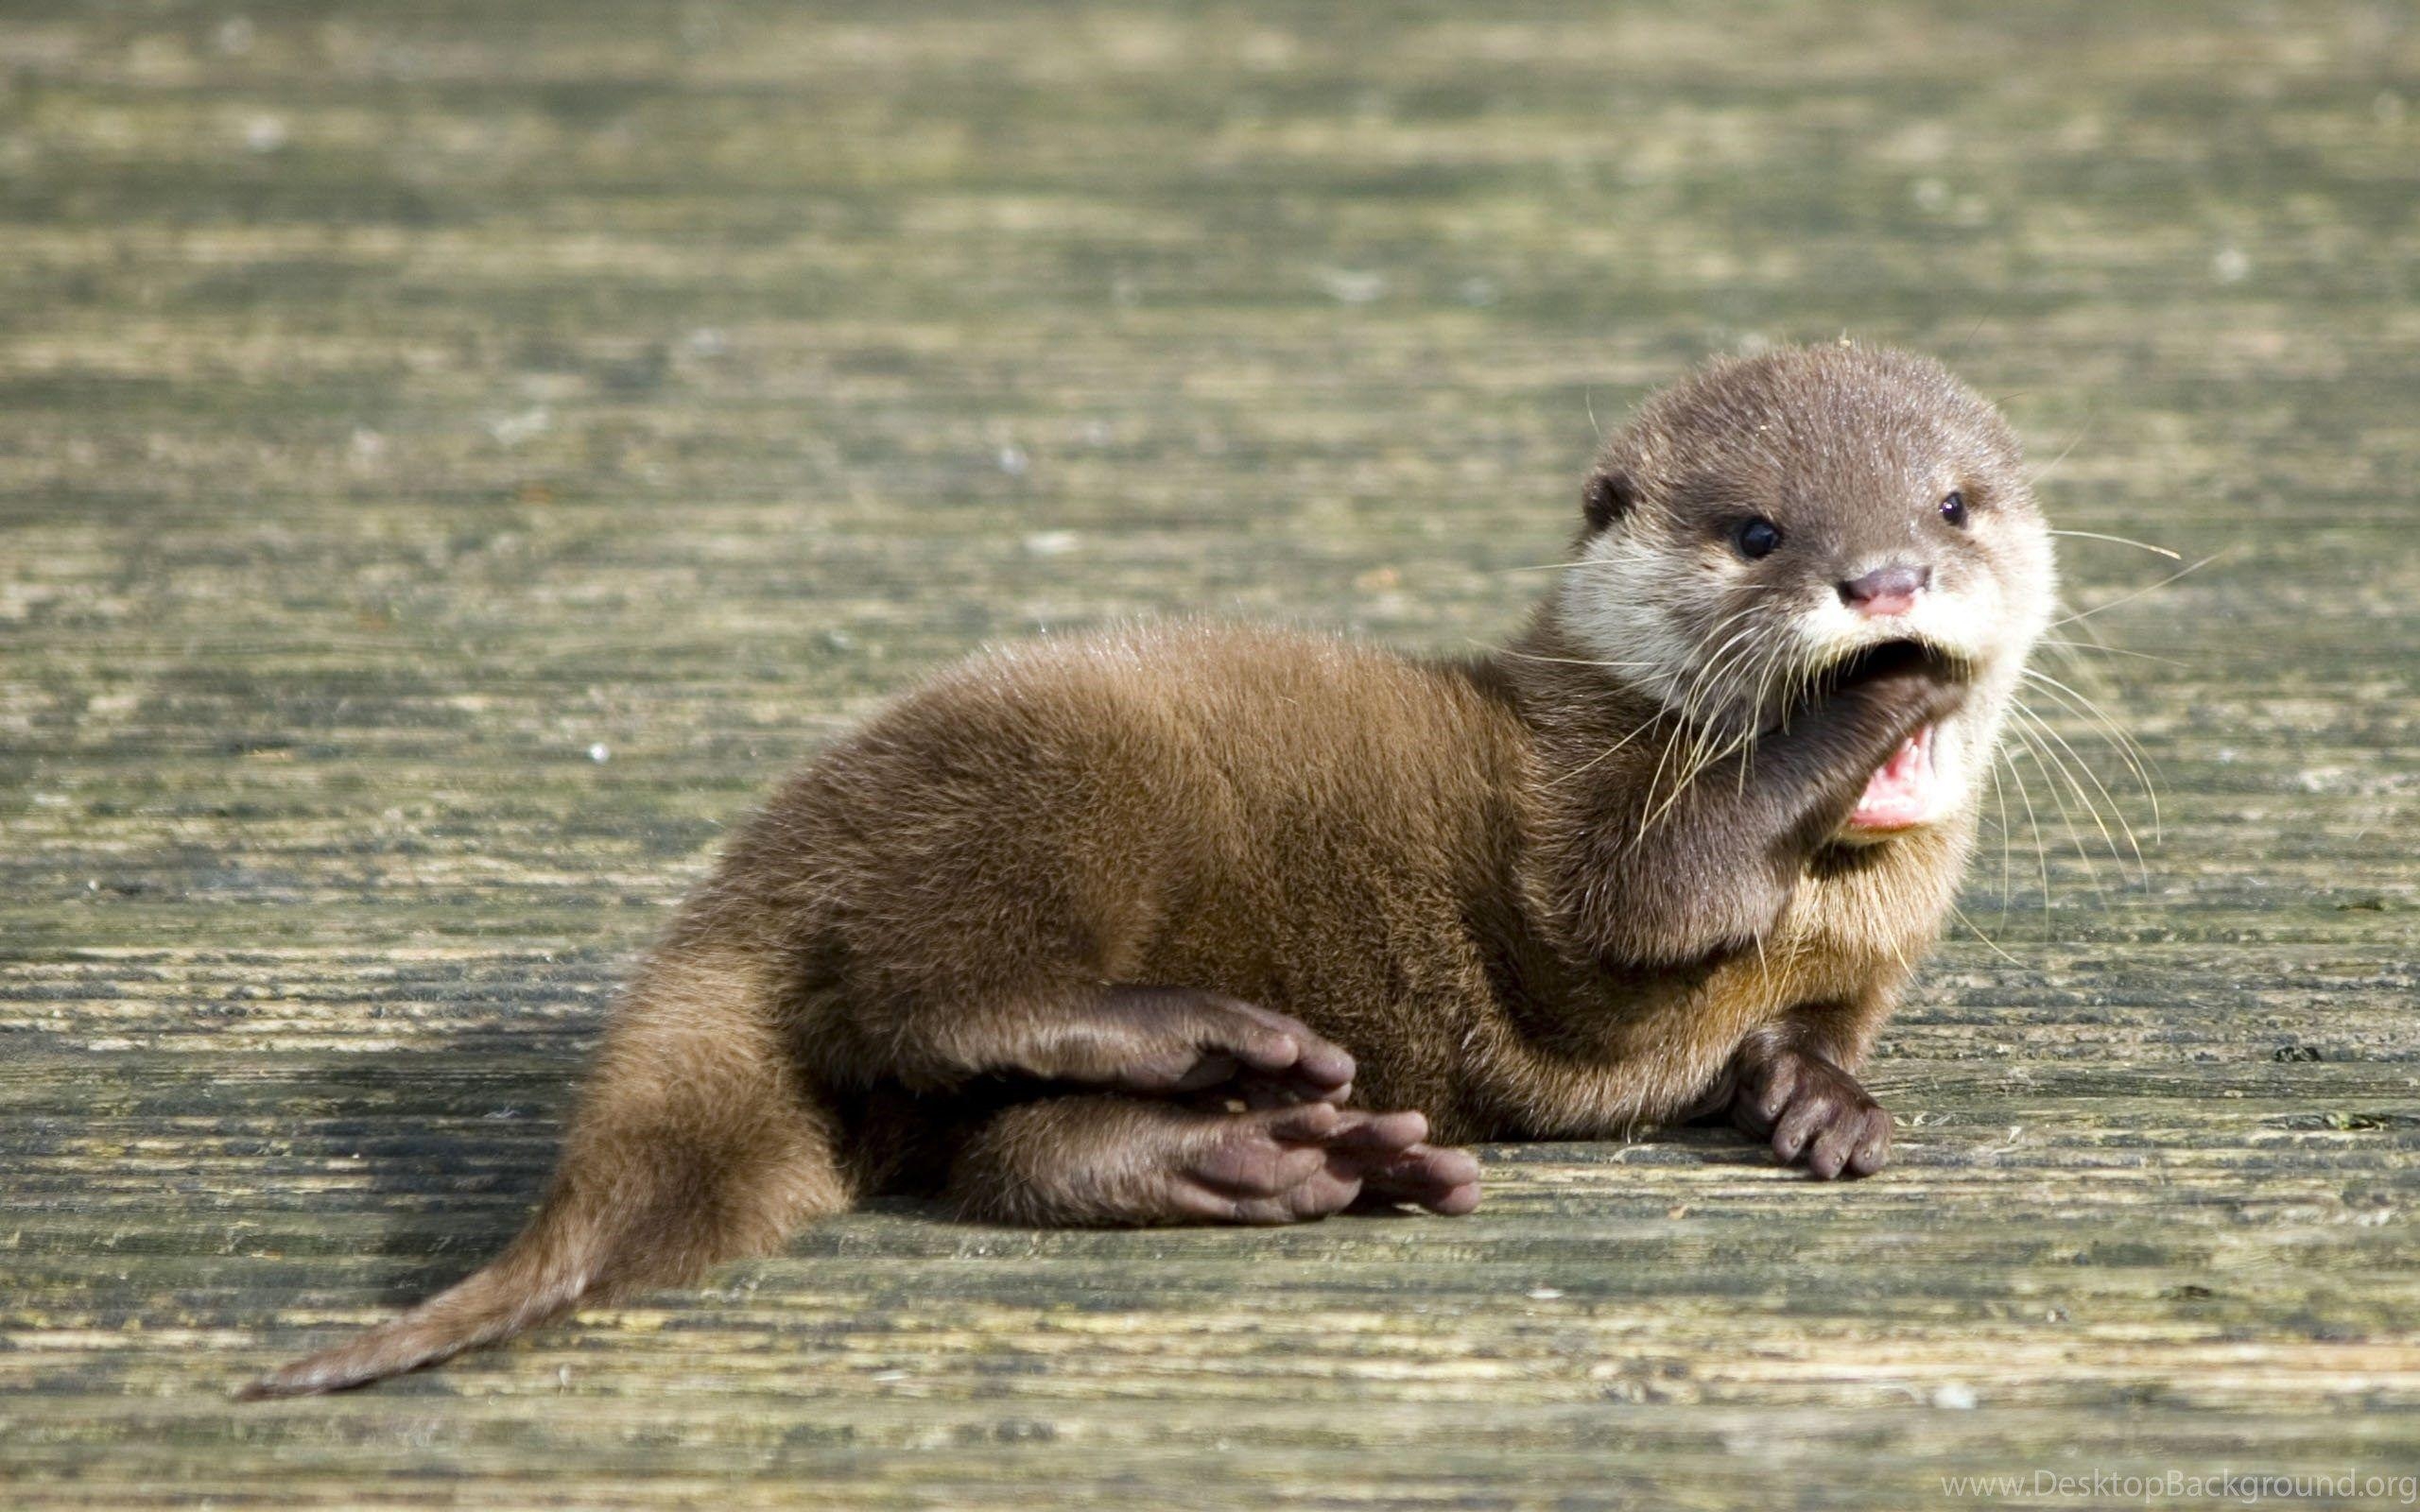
x,y
1713,673
1683,726
2034,822
2127,598
1703,753
2059,801
2110,650
2081,431
1719,671
1768,670
2090,806
1714,743
2129,750
1701,738
2076,699
1992,944
1770,674
1566,660
1958,350
2137,761
2117,810
2000,799
1713,754
1601,757
2123,540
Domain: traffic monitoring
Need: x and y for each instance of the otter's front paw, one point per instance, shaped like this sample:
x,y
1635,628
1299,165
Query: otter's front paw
x,y
1814,1113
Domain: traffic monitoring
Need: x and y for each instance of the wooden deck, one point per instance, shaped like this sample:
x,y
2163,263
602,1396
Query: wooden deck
x,y
453,456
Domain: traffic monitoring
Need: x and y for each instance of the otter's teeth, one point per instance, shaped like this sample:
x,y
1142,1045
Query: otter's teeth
x,y
1900,792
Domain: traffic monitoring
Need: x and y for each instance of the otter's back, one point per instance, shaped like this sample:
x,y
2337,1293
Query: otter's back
x,y
1279,815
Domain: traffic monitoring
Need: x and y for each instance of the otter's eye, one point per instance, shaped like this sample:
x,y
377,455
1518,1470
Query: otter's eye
x,y
1953,507
1756,537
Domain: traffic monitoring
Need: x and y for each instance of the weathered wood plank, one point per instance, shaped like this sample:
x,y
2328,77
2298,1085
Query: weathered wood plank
x,y
452,456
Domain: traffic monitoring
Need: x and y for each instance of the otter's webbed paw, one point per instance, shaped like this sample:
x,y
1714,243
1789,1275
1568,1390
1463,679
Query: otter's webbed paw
x,y
1119,1161
1159,1040
1308,1162
1815,1113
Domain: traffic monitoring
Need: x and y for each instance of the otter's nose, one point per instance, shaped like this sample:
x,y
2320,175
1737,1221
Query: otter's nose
x,y
1891,589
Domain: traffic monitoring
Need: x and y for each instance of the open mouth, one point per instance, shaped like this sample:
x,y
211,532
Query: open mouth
x,y
1900,794
1893,659
1904,790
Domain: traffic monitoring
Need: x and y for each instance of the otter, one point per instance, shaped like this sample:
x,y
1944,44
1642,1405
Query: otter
x,y
1210,924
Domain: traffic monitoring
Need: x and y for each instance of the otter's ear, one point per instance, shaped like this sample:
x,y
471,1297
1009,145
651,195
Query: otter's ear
x,y
1608,497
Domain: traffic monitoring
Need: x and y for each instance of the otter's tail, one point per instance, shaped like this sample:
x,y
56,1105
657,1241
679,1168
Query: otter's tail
x,y
539,1277
696,1141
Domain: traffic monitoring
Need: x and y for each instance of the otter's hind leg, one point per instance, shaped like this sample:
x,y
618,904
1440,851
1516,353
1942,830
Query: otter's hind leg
x,y
1111,1160
1128,1038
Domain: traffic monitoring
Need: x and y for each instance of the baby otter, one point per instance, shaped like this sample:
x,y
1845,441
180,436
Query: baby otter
x,y
1210,924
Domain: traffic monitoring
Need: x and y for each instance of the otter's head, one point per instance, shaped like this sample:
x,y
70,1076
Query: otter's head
x,y
1772,523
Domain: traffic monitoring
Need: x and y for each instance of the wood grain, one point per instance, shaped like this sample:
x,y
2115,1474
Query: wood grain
x,y
452,456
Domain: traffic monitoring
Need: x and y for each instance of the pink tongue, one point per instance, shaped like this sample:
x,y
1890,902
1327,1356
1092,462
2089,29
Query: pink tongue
x,y
1899,793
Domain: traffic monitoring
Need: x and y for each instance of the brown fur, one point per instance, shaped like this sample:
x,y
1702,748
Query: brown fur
x,y
1028,933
